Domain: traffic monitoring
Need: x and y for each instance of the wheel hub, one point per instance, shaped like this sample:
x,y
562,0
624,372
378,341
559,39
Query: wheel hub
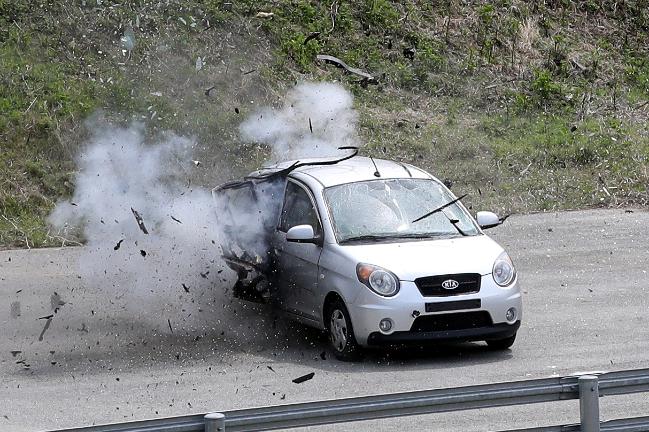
x,y
338,330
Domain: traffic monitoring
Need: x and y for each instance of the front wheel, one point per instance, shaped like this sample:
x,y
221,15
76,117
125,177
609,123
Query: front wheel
x,y
341,333
502,344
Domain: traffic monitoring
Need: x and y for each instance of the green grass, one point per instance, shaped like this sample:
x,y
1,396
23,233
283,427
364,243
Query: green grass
x,y
527,106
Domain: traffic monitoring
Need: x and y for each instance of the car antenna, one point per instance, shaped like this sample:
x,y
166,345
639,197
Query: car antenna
x,y
376,173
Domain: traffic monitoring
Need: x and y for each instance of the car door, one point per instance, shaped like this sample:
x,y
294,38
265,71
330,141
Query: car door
x,y
297,269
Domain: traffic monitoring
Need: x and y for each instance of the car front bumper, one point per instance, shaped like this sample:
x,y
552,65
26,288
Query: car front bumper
x,y
408,308
495,331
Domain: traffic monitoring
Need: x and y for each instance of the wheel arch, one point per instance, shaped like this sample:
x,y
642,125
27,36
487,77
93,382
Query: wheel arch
x,y
329,299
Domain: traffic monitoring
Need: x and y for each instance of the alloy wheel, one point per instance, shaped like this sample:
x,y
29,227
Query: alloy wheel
x,y
338,330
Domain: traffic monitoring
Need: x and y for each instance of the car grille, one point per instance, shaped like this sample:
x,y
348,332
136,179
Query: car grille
x,y
468,283
453,321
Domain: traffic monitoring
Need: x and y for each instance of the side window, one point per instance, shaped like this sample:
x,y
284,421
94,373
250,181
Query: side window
x,y
298,209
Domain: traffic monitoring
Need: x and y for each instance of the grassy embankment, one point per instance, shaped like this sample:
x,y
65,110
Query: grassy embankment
x,y
525,105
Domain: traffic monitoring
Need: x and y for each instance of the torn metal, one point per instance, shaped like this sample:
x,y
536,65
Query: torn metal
x,y
259,195
367,78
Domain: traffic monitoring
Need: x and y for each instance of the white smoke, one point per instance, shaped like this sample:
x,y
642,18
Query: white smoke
x,y
314,121
176,269
178,259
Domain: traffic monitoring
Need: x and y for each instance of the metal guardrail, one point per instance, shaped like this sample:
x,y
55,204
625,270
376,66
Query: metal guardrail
x,y
587,388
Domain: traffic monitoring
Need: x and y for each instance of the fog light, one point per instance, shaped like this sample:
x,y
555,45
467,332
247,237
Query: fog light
x,y
510,316
385,325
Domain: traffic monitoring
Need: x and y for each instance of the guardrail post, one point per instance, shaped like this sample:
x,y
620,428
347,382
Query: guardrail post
x,y
214,422
589,403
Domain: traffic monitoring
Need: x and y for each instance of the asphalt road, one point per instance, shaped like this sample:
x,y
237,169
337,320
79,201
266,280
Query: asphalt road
x,y
586,298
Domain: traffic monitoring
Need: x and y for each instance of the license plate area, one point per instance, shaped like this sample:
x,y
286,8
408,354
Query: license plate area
x,y
453,305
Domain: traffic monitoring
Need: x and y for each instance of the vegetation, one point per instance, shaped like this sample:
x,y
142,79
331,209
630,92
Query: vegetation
x,y
527,106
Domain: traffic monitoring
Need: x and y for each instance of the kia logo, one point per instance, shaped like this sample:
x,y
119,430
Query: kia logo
x,y
450,284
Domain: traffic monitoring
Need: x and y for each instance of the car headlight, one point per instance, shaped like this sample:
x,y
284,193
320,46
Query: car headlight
x,y
379,280
503,271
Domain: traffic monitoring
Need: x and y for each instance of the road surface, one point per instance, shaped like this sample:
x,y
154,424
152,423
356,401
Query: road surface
x,y
586,298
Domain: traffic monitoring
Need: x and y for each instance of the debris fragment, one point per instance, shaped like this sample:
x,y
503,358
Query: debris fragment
x,y
269,367
119,243
264,15
204,275
177,220
142,252
56,302
170,329
199,64
46,317
185,287
196,163
15,353
341,64
323,355
139,220
236,110
47,325
310,125
304,378
312,35
207,91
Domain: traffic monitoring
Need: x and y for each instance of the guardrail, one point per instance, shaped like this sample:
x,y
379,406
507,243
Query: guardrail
x,y
587,388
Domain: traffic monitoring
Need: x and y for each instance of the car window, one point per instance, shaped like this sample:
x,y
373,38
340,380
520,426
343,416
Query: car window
x,y
298,209
390,208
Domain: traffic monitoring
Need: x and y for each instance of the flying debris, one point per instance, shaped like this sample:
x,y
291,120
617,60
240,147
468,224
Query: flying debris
x,y
186,288
367,78
119,243
303,378
142,252
265,15
15,353
311,36
47,325
56,302
175,219
139,220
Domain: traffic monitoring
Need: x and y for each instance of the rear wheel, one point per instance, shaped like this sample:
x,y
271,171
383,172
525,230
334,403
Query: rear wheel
x,y
502,344
341,333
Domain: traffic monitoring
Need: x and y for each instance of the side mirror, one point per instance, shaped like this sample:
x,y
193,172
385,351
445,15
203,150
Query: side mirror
x,y
302,234
488,220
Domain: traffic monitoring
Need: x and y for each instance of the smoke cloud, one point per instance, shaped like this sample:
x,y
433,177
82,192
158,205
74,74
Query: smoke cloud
x,y
128,183
120,177
314,121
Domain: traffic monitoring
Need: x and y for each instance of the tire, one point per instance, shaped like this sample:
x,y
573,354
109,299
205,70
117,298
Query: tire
x,y
341,332
502,344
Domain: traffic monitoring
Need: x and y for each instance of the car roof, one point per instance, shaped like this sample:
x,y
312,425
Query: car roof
x,y
355,169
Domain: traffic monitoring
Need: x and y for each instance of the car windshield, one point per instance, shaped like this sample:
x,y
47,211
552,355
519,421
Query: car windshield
x,y
384,209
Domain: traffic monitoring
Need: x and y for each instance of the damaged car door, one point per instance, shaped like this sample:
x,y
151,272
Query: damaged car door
x,y
297,268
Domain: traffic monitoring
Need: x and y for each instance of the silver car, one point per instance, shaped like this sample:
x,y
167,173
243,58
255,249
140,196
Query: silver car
x,y
374,252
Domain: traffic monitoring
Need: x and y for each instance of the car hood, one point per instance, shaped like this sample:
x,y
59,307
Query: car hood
x,y
410,260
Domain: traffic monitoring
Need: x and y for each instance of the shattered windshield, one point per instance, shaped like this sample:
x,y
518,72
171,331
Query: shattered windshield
x,y
379,209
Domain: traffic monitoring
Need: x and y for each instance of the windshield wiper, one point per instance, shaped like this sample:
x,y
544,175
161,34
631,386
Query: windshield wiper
x,y
377,237
369,237
455,222
439,209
